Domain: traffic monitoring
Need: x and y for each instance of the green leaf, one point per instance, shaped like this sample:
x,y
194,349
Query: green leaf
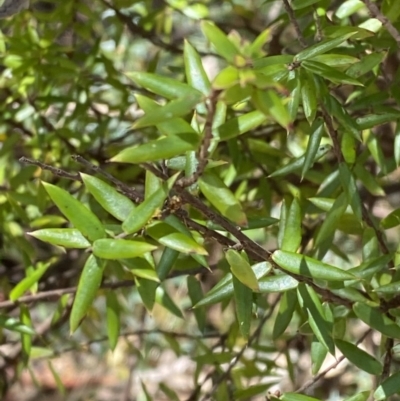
x,y
195,74
298,163
368,180
350,189
359,358
240,125
220,196
66,237
314,141
389,387
308,96
13,324
308,267
107,248
139,217
163,299
330,73
147,291
287,306
377,320
348,8
196,295
113,319
175,108
316,318
366,64
241,269
30,280
271,105
166,263
297,397
299,4
171,238
112,201
318,354
278,283
78,214
163,86
89,283
26,339
163,148
363,396
292,234
244,304
372,120
294,100
391,288
322,47
223,46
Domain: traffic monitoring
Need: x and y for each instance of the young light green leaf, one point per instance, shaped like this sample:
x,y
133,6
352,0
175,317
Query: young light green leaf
x,y
108,248
171,238
298,163
277,283
163,148
111,200
377,320
113,319
359,358
322,47
26,283
66,237
244,304
223,46
89,283
388,388
309,267
78,214
240,125
195,74
241,269
292,234
163,86
221,197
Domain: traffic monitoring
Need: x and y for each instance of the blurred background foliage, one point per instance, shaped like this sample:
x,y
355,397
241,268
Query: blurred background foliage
x,y
68,87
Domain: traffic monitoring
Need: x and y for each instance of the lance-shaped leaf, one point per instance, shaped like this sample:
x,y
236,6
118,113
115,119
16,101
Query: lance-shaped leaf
x,y
223,46
147,291
294,100
163,86
196,294
321,327
167,260
221,197
278,283
309,267
350,189
242,124
170,237
66,237
308,96
244,304
175,108
317,130
391,288
108,248
13,324
26,283
388,388
195,73
111,200
224,289
318,354
89,283
139,217
78,214
377,320
372,120
287,306
359,358
322,47
241,269
297,397
298,163
113,319
163,148
366,64
292,233
163,299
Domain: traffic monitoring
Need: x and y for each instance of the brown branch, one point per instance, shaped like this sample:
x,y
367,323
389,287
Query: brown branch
x,y
295,23
376,13
202,156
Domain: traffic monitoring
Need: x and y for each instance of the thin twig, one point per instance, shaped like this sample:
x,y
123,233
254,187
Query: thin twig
x,y
236,359
320,375
376,13
295,23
